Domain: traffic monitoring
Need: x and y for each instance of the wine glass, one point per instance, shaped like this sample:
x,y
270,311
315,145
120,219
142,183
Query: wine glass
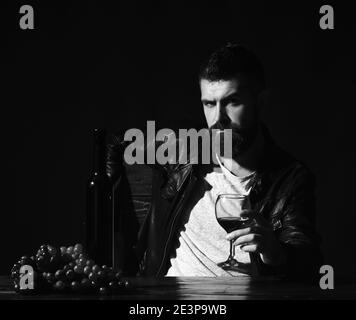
x,y
228,208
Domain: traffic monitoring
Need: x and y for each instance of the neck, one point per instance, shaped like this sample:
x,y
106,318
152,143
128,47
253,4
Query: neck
x,y
246,163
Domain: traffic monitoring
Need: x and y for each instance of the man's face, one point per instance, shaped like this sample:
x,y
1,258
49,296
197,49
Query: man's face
x,y
231,104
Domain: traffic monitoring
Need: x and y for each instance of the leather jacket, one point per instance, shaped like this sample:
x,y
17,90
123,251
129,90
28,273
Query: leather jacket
x,y
282,191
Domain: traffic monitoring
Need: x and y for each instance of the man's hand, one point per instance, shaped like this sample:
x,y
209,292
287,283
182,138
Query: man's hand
x,y
259,237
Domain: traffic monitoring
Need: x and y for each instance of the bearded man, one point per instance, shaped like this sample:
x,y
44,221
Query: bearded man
x,y
181,235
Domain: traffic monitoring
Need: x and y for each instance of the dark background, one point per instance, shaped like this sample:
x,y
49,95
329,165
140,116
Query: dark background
x,y
92,65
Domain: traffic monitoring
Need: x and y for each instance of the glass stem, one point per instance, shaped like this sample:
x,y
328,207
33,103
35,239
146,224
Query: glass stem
x,y
231,250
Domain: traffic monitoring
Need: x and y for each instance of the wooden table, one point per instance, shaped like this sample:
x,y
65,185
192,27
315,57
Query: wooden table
x,y
239,288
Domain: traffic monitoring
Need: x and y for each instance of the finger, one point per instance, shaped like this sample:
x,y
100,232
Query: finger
x,y
247,239
253,228
250,248
238,233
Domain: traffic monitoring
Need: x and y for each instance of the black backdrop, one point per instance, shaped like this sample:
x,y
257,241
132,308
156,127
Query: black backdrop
x,y
89,64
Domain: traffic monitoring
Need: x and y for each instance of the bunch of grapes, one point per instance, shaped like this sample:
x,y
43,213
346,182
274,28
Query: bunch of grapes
x,y
68,269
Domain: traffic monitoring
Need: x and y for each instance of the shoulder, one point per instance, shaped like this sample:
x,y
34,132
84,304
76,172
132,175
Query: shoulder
x,y
280,164
291,174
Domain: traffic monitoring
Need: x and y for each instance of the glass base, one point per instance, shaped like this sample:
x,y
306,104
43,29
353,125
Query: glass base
x,y
234,265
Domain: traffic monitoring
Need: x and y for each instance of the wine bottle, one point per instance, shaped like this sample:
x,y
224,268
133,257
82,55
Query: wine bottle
x,y
99,213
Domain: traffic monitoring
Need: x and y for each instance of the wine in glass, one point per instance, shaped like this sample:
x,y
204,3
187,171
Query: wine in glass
x,y
228,208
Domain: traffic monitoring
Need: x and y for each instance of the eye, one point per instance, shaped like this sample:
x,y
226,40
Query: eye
x,y
209,105
235,101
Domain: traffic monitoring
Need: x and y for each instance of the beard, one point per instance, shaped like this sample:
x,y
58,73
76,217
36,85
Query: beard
x,y
242,138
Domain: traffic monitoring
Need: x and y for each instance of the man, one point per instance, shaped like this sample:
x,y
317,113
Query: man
x,y
181,235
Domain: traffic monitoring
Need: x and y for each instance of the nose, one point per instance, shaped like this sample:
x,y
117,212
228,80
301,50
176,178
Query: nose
x,y
220,115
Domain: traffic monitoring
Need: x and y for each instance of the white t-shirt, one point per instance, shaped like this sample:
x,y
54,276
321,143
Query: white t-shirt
x,y
202,242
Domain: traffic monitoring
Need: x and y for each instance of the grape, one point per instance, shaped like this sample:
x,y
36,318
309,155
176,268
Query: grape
x,y
42,262
17,287
78,269
123,284
94,284
59,285
66,267
103,290
92,276
75,286
14,275
70,274
50,277
43,257
90,263
78,248
43,249
15,271
82,262
59,275
100,275
75,256
96,268
87,270
52,250
26,260
70,250
16,266
112,285
83,255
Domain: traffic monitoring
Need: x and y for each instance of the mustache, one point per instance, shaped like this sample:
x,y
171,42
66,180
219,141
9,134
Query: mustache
x,y
222,125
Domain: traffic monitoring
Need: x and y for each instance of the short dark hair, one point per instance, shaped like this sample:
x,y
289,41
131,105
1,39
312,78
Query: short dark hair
x,y
229,61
